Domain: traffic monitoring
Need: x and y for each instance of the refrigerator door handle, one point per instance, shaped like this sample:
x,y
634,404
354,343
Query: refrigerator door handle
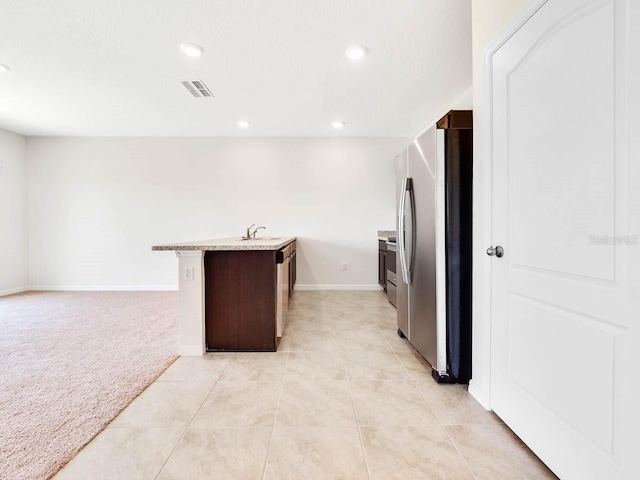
x,y
412,252
401,226
406,188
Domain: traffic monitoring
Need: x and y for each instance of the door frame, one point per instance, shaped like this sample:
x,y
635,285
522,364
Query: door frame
x,y
480,383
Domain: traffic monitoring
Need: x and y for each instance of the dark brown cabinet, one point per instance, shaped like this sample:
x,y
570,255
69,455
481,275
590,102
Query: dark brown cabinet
x,y
392,283
391,259
286,260
292,268
382,264
242,294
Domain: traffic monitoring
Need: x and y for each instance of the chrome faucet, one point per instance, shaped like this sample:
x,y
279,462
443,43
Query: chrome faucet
x,y
248,237
257,228
251,235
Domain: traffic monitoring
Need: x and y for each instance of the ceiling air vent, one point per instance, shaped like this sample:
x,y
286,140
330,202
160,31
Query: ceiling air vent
x,y
198,89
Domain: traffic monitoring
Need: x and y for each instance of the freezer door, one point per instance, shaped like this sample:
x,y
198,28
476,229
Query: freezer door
x,y
422,291
402,291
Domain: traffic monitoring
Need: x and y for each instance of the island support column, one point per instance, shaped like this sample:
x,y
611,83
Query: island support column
x,y
191,302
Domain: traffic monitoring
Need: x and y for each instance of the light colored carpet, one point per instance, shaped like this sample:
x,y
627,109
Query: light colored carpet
x,y
69,363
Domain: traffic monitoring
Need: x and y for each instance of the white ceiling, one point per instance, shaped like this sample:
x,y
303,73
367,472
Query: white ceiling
x,y
113,67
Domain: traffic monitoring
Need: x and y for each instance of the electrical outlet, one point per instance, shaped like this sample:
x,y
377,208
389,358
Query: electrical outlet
x,y
189,274
345,266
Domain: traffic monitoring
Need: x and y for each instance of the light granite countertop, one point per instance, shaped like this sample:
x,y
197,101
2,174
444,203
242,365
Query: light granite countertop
x,y
385,234
232,243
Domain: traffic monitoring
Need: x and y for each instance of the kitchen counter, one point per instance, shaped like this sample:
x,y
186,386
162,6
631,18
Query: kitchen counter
x,y
385,234
229,244
224,282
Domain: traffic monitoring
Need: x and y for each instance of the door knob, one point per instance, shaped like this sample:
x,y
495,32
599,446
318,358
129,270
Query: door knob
x,y
495,251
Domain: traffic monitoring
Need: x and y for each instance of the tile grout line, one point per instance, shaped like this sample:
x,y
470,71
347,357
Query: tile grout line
x,y
364,452
464,458
355,416
275,418
191,421
388,343
443,427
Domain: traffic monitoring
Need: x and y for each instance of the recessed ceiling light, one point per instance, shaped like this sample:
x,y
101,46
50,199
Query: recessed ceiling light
x,y
192,49
338,124
356,52
243,123
4,68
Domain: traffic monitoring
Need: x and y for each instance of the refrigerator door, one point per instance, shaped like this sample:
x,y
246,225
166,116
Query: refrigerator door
x,y
422,290
402,293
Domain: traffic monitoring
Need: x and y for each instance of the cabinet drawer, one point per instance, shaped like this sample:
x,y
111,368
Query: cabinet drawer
x,y
391,277
391,293
391,261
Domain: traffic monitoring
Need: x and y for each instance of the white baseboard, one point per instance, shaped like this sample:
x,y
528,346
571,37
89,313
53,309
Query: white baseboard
x,y
190,350
12,291
480,394
101,288
338,287
164,288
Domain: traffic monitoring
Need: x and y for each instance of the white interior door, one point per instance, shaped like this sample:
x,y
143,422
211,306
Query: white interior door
x,y
565,339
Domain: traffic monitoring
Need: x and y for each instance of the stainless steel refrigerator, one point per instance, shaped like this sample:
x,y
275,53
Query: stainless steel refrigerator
x,y
434,206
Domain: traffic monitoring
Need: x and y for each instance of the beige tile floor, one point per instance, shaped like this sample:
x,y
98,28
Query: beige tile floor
x,y
343,398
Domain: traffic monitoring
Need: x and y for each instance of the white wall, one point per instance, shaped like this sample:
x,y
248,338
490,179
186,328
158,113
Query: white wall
x,y
97,205
13,213
489,20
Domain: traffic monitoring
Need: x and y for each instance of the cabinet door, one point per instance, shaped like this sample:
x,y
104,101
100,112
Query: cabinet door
x,y
286,275
293,269
382,269
292,272
240,309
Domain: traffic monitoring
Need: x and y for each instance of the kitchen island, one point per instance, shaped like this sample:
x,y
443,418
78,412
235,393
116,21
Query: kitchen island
x,y
233,293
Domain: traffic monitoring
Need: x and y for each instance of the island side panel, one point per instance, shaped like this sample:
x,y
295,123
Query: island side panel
x,y
191,302
240,300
